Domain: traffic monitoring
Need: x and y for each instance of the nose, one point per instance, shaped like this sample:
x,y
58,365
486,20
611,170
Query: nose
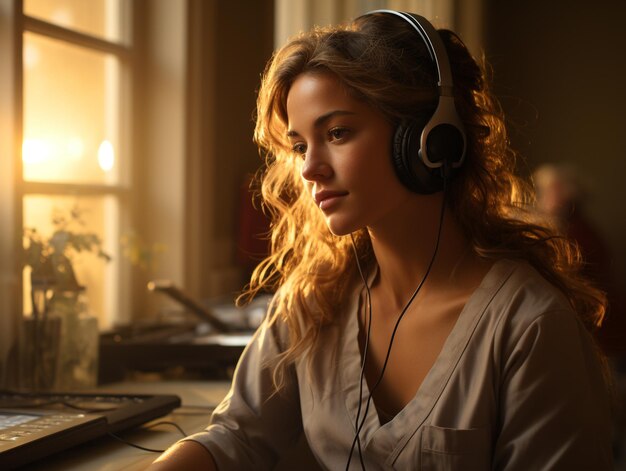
x,y
315,167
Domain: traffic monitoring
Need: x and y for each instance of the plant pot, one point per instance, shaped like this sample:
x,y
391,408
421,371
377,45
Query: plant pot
x,y
60,351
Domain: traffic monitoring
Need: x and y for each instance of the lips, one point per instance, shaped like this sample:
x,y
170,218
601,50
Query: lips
x,y
325,198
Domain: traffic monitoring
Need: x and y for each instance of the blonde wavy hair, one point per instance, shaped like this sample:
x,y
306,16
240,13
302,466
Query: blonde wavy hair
x,y
381,61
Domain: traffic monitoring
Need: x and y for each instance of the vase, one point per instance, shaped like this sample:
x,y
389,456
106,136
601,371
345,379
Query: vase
x,y
60,350
77,362
39,350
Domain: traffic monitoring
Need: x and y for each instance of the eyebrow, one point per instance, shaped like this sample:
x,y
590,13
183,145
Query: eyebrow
x,y
320,120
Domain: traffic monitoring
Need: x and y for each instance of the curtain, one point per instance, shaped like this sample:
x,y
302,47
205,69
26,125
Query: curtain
x,y
293,16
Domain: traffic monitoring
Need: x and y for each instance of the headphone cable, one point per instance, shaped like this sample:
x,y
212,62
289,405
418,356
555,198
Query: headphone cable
x,y
357,440
368,322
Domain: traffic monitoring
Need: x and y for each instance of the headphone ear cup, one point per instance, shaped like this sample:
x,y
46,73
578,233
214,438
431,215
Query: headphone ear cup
x,y
409,167
401,154
445,142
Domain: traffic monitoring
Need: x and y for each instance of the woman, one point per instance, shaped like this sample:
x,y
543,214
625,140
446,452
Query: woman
x,y
420,320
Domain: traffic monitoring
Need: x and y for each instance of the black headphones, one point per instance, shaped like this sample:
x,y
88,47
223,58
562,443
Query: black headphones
x,y
427,150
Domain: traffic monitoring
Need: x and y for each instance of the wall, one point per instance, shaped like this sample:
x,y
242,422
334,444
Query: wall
x,y
229,44
245,44
559,68
293,16
200,63
10,214
158,131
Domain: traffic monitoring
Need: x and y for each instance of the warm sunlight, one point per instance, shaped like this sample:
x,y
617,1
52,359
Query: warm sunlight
x,y
35,152
70,134
42,153
106,156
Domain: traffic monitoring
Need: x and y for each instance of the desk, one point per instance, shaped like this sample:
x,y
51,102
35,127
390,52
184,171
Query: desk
x,y
108,454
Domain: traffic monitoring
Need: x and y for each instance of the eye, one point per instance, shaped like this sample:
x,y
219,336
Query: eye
x,y
299,148
338,134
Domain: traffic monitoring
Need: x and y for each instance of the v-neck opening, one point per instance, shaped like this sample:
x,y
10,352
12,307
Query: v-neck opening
x,y
417,408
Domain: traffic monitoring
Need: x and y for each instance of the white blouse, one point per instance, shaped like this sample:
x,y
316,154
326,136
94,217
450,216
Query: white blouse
x,y
516,386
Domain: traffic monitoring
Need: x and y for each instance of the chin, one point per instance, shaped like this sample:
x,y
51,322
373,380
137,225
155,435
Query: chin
x,y
340,232
341,228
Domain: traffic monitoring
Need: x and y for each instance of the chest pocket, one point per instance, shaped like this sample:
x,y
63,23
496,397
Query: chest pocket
x,y
448,449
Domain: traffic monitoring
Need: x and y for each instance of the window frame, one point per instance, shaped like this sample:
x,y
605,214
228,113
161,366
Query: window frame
x,y
119,277
10,204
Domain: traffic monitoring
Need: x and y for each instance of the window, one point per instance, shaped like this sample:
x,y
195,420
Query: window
x,y
75,127
68,65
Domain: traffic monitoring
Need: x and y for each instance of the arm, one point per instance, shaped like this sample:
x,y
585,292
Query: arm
x,y
253,425
187,455
554,406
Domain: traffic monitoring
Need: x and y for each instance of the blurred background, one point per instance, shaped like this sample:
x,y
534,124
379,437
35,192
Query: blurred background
x,y
126,137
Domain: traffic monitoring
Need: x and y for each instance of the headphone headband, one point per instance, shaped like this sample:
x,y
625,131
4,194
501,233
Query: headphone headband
x,y
425,153
436,49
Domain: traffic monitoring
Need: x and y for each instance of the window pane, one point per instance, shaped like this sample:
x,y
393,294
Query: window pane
x,y
82,216
71,113
100,18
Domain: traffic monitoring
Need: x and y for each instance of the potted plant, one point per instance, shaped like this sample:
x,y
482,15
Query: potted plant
x,y
60,339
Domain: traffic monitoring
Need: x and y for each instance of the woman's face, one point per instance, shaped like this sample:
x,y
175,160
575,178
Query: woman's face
x,y
345,145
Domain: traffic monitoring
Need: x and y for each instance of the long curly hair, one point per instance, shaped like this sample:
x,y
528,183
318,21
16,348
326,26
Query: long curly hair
x,y
381,61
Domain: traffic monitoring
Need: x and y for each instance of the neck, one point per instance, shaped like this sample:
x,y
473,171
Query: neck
x,y
404,248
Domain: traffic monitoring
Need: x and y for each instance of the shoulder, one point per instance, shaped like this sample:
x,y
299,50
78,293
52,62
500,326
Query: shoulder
x,y
550,384
521,285
523,308
522,296
531,317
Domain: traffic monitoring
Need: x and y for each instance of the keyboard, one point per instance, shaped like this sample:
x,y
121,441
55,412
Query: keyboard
x,y
33,426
